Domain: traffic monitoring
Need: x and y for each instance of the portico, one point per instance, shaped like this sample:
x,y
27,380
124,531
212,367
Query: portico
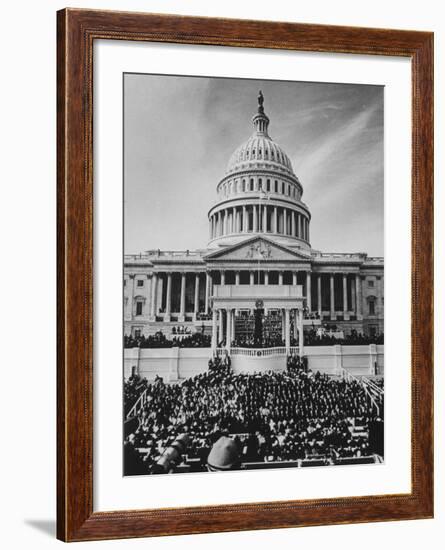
x,y
227,299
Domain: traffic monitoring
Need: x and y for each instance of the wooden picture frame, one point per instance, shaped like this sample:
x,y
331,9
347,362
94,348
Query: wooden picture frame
x,y
77,31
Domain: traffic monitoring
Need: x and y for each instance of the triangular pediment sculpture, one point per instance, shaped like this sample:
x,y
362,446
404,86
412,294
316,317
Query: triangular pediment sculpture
x,y
258,249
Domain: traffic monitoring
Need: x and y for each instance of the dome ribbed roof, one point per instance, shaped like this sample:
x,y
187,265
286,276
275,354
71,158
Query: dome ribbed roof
x,y
259,149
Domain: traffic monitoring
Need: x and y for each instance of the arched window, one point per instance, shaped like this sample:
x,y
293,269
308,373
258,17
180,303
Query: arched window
x,y
251,184
260,183
276,186
244,186
268,186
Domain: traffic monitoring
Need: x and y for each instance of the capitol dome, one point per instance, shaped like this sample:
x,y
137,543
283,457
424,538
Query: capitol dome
x,y
259,193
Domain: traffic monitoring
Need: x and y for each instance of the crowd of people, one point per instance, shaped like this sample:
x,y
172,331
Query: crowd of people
x,y
159,340
314,338
271,417
184,338
252,342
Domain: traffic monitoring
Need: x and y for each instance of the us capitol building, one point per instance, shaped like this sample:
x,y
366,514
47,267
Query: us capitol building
x,y
258,256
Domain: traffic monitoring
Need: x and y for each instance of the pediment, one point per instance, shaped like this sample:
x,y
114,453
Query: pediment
x,y
257,249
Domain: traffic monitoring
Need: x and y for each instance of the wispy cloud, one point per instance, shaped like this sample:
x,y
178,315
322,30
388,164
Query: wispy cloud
x,y
181,131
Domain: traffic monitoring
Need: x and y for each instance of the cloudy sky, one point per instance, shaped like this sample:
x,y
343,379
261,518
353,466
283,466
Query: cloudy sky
x,y
179,133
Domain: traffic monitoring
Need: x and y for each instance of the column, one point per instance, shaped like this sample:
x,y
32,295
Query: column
x,y
292,220
319,295
275,220
133,283
295,324
287,322
379,297
358,294
353,297
206,307
264,219
159,294
294,278
244,219
300,333
228,329
345,296
210,228
232,325
196,302
233,220
251,277
221,325
154,297
280,277
237,278
284,221
255,219
214,336
182,303
308,291
149,277
223,277
283,325
301,227
266,277
332,296
168,304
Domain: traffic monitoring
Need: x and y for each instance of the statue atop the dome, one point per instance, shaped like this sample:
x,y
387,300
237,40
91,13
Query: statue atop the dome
x,y
260,102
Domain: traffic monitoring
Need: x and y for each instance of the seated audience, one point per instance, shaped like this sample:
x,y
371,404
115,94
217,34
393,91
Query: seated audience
x,y
272,417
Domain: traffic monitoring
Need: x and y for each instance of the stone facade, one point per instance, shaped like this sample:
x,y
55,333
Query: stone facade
x,y
259,234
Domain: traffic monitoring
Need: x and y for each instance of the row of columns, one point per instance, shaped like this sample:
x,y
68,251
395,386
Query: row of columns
x,y
265,219
153,290
217,316
249,185
153,284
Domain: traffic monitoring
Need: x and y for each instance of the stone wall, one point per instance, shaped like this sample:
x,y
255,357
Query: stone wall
x,y
174,364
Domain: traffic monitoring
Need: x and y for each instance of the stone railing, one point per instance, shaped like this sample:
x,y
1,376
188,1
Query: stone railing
x,y
258,352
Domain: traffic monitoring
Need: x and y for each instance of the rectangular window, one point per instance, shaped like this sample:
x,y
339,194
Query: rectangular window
x,y
138,308
137,333
371,307
371,284
140,282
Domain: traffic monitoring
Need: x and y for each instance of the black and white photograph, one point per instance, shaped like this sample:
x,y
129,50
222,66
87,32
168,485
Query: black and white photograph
x,y
253,274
